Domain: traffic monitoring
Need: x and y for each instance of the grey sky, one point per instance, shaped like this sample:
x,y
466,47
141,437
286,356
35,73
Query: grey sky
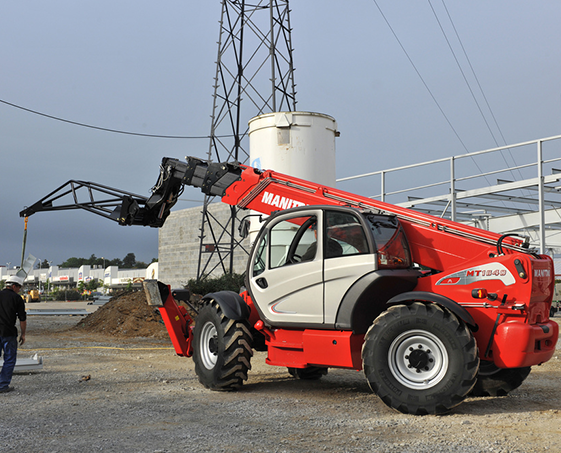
x,y
147,67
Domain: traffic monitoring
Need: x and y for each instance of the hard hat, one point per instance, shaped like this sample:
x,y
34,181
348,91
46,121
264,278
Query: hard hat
x,y
14,279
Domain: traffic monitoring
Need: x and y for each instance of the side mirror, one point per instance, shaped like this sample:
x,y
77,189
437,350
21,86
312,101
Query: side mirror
x,y
243,228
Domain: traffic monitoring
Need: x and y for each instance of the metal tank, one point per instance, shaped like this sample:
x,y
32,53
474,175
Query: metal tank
x,y
299,144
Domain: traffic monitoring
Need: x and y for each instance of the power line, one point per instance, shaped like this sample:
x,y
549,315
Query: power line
x,y
420,76
464,76
477,81
461,70
473,72
107,129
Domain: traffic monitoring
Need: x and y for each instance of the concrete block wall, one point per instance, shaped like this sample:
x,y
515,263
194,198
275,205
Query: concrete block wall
x,y
179,243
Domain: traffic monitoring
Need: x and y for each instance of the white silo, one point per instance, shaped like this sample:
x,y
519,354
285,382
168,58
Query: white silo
x,y
299,144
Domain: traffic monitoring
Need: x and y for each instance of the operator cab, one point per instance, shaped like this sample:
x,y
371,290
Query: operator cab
x,y
305,259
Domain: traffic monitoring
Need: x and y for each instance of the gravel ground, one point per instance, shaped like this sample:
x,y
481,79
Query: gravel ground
x,y
121,395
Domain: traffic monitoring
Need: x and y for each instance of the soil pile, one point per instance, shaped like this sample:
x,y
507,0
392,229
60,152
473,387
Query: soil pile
x,y
126,315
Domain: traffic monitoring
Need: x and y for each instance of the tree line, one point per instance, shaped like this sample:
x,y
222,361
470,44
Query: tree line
x,y
128,262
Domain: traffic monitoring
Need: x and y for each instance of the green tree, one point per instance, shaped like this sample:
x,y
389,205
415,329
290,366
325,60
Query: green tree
x,y
73,262
81,286
92,285
226,282
129,261
114,262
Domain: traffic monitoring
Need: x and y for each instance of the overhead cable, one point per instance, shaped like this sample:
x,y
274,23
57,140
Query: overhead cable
x,y
462,72
473,72
420,76
477,81
107,129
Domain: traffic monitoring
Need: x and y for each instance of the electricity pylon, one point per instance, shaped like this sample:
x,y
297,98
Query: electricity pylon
x,y
254,65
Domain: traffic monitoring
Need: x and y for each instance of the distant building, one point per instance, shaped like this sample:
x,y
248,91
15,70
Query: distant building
x,y
65,278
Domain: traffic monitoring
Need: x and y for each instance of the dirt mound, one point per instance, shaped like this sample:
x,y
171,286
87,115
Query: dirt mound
x,y
126,315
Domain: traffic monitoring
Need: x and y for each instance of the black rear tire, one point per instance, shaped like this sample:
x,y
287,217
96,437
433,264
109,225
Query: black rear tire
x,y
311,373
222,349
420,359
495,381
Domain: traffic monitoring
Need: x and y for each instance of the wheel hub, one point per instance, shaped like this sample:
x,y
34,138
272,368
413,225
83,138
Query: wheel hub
x,y
418,359
212,345
208,347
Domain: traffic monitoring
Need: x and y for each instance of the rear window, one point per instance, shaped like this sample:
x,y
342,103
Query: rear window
x,y
391,243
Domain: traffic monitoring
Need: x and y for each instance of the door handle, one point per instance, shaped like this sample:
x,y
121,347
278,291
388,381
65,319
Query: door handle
x,y
262,283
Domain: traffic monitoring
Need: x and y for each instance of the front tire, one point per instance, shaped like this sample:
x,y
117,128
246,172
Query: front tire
x,y
495,381
420,359
222,349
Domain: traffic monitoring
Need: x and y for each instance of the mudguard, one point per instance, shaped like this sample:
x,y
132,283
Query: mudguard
x,y
231,303
438,299
366,298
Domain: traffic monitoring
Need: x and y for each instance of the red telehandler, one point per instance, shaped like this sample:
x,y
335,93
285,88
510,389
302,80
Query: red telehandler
x,y
432,310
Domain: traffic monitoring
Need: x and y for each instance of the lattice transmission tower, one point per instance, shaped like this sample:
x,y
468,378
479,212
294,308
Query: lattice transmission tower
x,y
254,65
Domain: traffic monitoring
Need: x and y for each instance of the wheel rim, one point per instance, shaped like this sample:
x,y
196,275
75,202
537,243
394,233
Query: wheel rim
x,y
418,359
208,346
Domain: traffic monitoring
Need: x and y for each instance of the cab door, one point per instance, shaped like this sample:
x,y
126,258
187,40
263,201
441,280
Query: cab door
x,y
286,269
348,256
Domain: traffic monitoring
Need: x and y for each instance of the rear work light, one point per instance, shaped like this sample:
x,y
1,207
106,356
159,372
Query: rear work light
x,y
481,293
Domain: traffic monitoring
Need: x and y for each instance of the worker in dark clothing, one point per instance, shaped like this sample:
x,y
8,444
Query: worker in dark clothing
x,y
12,307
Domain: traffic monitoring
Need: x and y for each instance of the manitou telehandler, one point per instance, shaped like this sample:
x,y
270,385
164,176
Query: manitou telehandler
x,y
432,310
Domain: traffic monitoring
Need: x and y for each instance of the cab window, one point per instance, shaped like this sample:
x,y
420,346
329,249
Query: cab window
x,y
391,243
292,241
260,257
344,235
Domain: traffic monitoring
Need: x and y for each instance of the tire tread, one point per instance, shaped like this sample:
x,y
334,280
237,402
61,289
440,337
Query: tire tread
x,y
435,313
234,362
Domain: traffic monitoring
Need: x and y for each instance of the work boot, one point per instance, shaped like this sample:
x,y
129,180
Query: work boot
x,y
7,389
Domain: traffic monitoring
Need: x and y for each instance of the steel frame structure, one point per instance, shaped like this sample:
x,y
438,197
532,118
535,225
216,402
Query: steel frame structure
x,y
524,199
93,197
254,42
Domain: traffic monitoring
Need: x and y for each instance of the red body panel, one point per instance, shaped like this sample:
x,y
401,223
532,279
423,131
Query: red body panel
x,y
302,348
178,324
516,344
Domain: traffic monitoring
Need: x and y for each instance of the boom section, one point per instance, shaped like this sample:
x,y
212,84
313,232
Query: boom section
x,y
435,243
121,206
